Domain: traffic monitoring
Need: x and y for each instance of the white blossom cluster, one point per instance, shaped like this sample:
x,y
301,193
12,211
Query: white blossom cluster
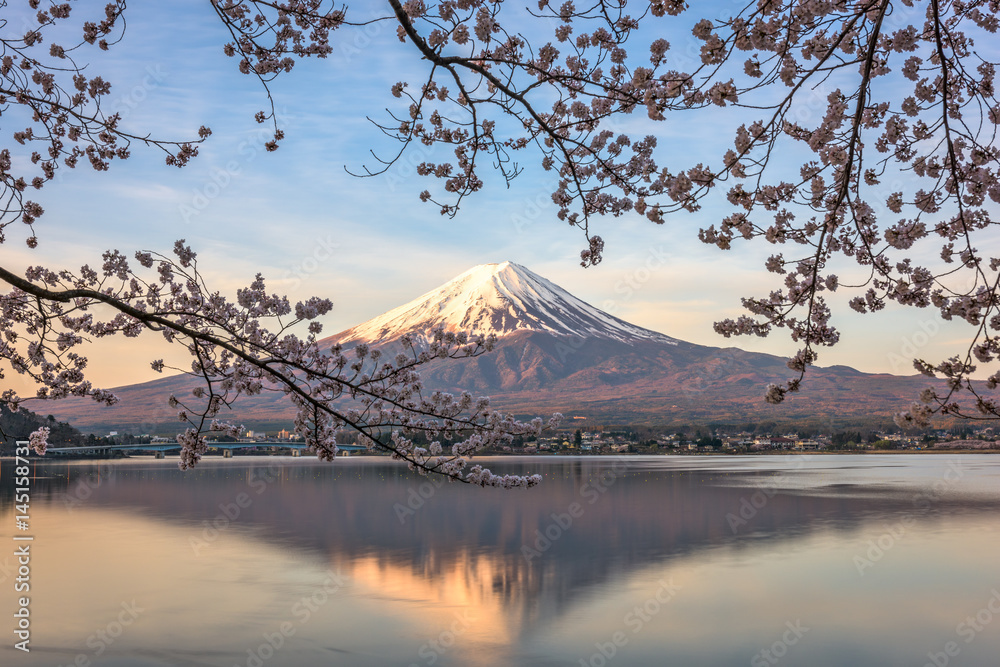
x,y
39,440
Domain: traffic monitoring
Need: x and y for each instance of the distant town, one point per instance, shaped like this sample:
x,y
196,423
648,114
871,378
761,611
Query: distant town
x,y
750,438
618,442
584,442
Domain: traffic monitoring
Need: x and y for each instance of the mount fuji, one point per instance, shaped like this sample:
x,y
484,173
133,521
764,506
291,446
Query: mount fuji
x,y
500,299
555,352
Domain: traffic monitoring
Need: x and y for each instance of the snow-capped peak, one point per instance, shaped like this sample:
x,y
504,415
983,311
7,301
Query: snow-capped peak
x,y
499,299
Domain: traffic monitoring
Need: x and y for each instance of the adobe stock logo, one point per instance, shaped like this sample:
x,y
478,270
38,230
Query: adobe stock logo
x,y
967,630
634,280
635,620
779,649
910,345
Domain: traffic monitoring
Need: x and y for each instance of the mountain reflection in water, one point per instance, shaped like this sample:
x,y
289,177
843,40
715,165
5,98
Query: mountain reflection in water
x,y
876,559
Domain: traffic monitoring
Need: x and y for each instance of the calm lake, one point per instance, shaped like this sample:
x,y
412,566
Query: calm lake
x,y
805,560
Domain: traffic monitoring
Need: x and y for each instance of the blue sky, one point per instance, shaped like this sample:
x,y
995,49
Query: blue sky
x,y
369,244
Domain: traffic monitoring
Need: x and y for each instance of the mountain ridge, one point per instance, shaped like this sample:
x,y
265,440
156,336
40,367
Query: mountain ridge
x,y
557,353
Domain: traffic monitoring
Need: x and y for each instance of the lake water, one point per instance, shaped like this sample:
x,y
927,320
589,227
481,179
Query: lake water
x,y
634,561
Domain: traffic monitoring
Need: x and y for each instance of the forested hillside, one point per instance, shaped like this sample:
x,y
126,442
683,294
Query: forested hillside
x,y
19,425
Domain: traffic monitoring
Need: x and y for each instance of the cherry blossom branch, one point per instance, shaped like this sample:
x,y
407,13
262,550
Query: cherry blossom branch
x,y
235,355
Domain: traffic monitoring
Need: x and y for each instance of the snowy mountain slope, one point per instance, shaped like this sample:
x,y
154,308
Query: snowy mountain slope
x,y
500,299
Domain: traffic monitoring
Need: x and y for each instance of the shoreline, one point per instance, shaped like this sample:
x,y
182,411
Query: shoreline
x,y
776,452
